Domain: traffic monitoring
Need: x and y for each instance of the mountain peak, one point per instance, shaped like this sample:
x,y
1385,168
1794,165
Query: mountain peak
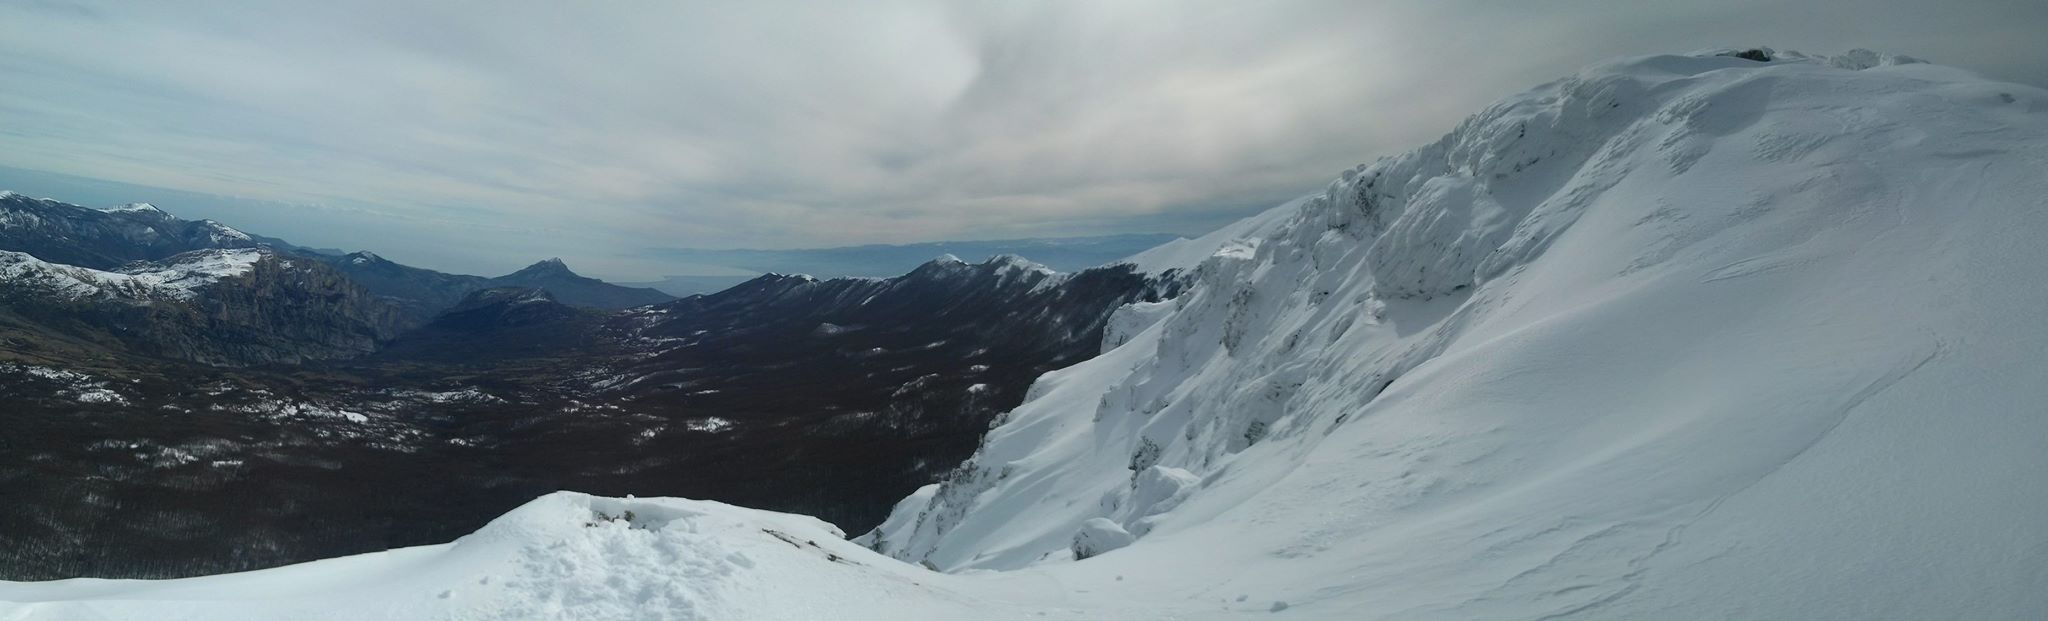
x,y
550,264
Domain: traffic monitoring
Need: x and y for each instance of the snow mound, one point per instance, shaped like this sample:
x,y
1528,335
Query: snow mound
x,y
565,556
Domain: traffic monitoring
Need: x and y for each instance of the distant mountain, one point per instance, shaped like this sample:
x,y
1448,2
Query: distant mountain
x,y
418,292
423,293
497,323
1068,254
576,290
295,248
106,238
216,306
685,286
827,396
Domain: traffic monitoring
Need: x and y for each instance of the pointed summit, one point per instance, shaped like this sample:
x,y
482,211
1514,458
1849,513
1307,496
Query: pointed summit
x,y
574,289
551,266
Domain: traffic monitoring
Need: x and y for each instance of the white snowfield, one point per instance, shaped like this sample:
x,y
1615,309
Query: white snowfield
x,y
179,277
1186,254
1678,337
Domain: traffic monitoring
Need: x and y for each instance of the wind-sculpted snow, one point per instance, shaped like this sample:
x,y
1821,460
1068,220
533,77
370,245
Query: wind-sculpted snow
x,y
1677,337
1641,342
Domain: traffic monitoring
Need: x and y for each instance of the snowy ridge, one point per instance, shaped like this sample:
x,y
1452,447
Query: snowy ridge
x,y
177,278
145,208
1567,360
222,234
1184,254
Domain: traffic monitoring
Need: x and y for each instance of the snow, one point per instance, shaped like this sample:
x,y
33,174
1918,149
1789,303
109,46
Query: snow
x,y
708,424
1010,263
135,208
178,277
1677,336
465,395
571,557
1099,535
74,385
1184,254
1674,337
223,234
182,275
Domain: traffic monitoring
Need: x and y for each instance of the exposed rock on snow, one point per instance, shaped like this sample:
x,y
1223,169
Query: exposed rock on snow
x,y
1099,535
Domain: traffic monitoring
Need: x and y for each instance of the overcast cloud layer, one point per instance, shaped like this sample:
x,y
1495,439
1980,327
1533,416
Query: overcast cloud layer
x,y
477,136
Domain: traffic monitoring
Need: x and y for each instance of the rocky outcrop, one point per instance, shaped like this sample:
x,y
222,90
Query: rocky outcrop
x,y
418,293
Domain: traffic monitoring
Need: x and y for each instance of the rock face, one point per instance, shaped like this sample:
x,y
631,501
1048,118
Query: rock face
x,y
293,310
418,293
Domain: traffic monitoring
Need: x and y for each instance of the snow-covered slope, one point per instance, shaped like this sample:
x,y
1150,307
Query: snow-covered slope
x,y
178,278
1675,337
1184,253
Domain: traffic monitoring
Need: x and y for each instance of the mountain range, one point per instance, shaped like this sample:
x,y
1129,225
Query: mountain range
x,y
186,380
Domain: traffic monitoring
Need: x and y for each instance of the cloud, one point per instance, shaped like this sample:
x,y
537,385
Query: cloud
x,y
500,131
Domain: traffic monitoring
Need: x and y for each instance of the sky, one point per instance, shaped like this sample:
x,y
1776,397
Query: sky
x,y
479,136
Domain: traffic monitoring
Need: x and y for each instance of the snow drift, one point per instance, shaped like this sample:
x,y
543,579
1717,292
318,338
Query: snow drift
x,y
1675,337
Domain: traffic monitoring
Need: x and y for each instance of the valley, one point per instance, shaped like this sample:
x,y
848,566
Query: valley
x,y
127,457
